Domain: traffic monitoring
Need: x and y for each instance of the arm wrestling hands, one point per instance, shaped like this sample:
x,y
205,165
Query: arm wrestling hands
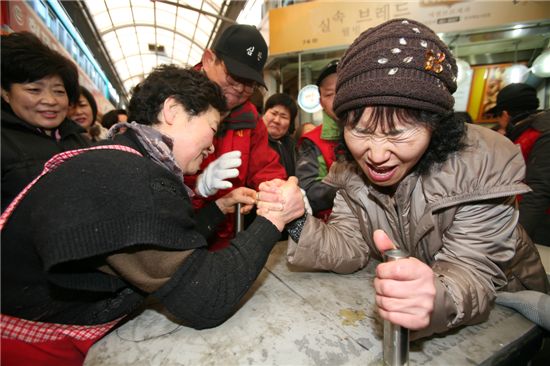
x,y
405,289
280,201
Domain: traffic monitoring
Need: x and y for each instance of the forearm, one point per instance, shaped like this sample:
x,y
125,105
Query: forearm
x,y
450,309
334,246
206,289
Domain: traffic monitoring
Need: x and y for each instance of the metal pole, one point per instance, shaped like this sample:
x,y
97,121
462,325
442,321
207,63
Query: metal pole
x,y
239,218
396,337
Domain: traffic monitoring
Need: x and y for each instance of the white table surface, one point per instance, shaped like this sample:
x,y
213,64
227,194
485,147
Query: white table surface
x,y
292,317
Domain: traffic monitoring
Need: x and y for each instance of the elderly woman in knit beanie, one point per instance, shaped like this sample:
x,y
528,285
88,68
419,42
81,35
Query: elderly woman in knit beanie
x,y
418,179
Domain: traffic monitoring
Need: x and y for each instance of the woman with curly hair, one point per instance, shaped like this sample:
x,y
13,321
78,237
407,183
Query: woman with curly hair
x,y
418,179
104,229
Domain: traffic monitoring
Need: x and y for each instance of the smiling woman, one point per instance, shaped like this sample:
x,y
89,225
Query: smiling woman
x,y
38,84
114,224
84,112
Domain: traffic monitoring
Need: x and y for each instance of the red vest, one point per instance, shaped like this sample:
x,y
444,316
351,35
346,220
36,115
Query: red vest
x,y
327,151
526,141
325,146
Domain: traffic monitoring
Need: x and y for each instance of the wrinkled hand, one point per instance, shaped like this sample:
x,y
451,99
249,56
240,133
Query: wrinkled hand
x,y
243,195
280,201
214,176
405,289
270,193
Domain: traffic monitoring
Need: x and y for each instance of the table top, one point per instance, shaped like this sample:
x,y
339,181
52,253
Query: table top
x,y
294,317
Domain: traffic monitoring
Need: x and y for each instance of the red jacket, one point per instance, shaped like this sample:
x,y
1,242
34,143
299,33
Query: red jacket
x,y
245,131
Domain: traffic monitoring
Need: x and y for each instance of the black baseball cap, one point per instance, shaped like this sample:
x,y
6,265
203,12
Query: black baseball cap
x,y
329,69
517,97
244,51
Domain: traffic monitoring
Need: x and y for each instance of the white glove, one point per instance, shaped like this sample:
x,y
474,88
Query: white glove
x,y
213,177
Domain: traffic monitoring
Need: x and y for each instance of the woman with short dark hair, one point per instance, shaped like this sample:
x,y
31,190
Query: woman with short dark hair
x,y
108,227
84,112
280,113
38,85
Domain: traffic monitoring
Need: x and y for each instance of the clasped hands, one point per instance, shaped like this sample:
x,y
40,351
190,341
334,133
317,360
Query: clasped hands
x,y
405,289
279,201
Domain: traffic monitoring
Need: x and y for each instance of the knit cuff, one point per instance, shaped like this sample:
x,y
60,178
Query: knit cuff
x,y
294,228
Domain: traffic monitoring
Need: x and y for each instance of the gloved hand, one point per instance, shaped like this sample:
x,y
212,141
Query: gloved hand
x,y
213,177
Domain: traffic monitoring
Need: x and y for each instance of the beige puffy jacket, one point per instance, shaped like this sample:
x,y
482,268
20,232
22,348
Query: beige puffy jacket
x,y
460,219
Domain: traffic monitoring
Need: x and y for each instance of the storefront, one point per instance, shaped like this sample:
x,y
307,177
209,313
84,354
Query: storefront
x,y
494,43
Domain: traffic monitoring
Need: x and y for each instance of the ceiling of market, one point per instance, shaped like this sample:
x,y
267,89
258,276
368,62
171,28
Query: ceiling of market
x,y
130,37
137,35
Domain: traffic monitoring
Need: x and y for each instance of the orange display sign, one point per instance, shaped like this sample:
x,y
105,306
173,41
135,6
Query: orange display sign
x,y
487,82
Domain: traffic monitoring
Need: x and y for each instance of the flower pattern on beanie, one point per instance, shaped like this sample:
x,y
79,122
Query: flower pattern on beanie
x,y
433,61
399,63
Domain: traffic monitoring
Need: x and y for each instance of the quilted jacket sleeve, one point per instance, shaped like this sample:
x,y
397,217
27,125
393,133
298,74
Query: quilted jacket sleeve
x,y
469,267
335,246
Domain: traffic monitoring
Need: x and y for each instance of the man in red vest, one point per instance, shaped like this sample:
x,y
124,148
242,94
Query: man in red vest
x,y
316,148
242,156
516,108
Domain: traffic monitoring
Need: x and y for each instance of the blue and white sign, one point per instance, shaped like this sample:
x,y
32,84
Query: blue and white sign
x,y
309,99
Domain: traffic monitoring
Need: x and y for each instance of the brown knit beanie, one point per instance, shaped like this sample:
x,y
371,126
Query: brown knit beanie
x,y
399,63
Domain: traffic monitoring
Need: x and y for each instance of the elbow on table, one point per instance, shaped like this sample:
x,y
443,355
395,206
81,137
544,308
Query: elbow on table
x,y
202,319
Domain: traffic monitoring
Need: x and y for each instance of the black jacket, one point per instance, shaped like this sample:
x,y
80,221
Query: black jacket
x,y
534,207
107,202
25,149
286,148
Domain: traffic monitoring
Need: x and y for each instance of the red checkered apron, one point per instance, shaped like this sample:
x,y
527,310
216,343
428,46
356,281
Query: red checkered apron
x,y
26,342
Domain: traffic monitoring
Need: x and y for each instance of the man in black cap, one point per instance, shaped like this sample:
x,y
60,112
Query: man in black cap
x,y
316,148
236,63
517,109
514,102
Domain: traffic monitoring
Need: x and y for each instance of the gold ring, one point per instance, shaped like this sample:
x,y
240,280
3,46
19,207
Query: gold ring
x,y
257,196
